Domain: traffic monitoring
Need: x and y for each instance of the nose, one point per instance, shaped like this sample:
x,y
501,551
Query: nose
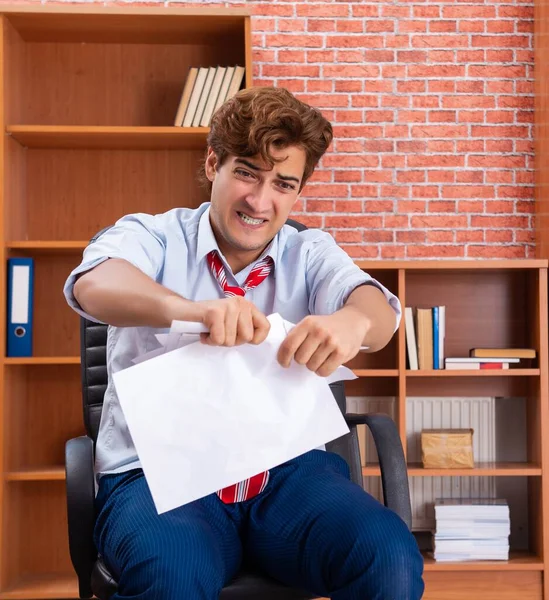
x,y
260,201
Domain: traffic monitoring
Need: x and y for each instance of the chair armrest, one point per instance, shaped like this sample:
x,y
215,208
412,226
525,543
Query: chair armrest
x,y
394,475
81,509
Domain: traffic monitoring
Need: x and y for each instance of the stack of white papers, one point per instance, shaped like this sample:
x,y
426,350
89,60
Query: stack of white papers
x,y
205,417
472,529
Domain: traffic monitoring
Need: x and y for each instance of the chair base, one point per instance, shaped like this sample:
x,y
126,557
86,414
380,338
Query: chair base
x,y
247,585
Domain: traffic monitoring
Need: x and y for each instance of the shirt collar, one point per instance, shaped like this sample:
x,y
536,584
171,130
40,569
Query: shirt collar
x,y
206,242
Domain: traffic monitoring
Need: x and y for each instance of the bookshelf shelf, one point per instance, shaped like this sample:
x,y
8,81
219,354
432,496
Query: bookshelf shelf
x,y
518,561
473,373
42,360
52,473
376,372
46,247
109,137
43,585
480,470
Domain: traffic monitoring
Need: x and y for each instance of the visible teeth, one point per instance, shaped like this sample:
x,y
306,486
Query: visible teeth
x,y
249,220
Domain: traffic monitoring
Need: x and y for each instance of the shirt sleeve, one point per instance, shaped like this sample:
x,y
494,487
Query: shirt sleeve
x,y
135,238
332,276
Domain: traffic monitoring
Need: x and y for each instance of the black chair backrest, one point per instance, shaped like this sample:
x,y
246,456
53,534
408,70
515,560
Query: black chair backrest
x,y
93,355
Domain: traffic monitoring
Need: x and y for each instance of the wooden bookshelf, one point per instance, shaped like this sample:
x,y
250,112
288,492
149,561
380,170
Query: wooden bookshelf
x,y
489,303
88,99
88,95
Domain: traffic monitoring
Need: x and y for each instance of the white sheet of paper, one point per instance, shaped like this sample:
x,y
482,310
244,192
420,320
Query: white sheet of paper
x,y
205,417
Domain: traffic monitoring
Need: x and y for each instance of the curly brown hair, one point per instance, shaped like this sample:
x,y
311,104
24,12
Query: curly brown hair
x,y
260,118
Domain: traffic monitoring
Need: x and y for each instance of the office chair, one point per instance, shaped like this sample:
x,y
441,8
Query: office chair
x,y
93,575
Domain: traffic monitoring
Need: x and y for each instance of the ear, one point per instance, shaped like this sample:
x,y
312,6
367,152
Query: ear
x,y
211,164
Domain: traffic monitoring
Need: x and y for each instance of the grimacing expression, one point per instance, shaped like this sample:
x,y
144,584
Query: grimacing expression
x,y
250,202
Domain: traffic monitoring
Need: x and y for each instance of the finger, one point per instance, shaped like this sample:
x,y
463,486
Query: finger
x,y
308,347
319,357
261,325
290,345
245,326
333,361
216,337
231,324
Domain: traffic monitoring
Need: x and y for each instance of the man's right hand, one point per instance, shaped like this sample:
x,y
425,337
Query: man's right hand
x,y
232,321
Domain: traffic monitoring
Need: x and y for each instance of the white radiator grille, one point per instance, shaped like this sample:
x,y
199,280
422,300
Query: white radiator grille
x,y
435,413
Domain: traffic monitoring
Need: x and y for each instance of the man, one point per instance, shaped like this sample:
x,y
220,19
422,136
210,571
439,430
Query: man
x,y
228,264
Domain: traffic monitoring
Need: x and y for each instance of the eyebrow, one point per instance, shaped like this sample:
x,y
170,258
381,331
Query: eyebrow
x,y
256,168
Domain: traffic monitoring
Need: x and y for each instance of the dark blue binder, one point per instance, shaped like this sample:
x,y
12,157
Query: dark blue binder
x,y
20,304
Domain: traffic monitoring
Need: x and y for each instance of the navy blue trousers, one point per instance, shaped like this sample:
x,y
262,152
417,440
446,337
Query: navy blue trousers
x,y
311,528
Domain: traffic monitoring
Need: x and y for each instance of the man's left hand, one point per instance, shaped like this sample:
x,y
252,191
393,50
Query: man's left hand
x,y
325,342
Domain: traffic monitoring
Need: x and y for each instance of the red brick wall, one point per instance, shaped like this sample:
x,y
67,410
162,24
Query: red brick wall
x,y
432,106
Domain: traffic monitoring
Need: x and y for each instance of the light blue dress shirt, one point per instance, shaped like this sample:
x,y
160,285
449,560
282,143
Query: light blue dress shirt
x,y
312,275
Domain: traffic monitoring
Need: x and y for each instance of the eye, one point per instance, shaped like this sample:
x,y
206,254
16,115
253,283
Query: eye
x,y
243,173
287,186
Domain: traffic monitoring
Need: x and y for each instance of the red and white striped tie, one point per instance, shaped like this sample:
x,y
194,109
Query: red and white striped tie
x,y
244,490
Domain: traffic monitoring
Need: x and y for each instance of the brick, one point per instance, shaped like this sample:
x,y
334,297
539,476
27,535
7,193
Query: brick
x,y
411,116
396,221
358,131
353,41
470,206
437,251
412,206
496,222
500,87
393,252
515,191
351,160
284,40
350,56
350,26
516,12
412,26
496,71
380,26
500,41
502,162
365,10
348,176
468,191
470,116
411,56
492,236
406,87
496,251
499,145
348,146
525,206
501,56
365,101
364,191
471,235
378,116
309,221
349,206
468,12
425,191
500,27
437,236
430,160
395,101
410,176
442,116
291,56
440,222
291,71
379,56
516,102
434,71
271,9
439,131
320,25
334,71
512,131
319,205
349,116
426,12
322,10
410,237
501,116
425,102
397,41
378,176
442,86
444,56
394,191
393,162
441,146
349,236
393,71
395,131
293,85
370,222
395,11
321,56
344,85
325,100
378,236
471,56
526,237
438,206
361,252
470,177
468,101
328,191
442,27
524,177
378,206
440,41
319,85
441,176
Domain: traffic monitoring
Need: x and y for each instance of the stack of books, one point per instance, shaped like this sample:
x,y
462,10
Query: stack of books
x,y
425,333
490,358
205,90
471,529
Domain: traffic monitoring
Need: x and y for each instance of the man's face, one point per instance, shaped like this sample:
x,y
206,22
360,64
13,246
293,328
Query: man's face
x,y
250,202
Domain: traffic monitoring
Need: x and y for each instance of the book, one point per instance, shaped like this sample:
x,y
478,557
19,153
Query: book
x,y
411,344
425,338
502,353
195,96
201,105
185,96
212,97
